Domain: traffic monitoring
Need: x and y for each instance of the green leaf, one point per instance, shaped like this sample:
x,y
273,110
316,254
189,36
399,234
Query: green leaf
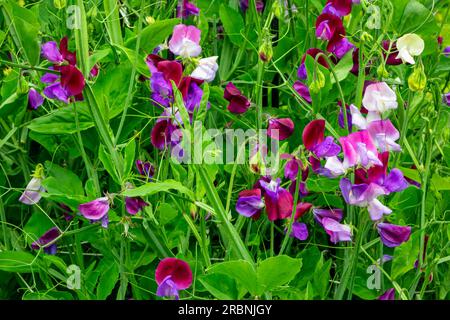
x,y
108,164
277,271
24,28
240,270
62,181
201,113
16,261
155,187
342,69
220,286
109,275
62,121
405,255
36,226
141,67
153,35
166,213
232,23
418,19
322,185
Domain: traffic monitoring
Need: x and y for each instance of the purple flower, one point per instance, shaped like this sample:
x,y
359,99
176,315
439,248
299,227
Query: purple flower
x,y
338,232
302,90
96,210
34,99
134,205
341,120
238,103
340,47
187,9
278,200
172,275
388,295
32,193
446,51
259,5
299,231
193,97
335,214
249,203
145,168
393,235
45,239
280,128
315,141
50,51
56,91
365,195
446,98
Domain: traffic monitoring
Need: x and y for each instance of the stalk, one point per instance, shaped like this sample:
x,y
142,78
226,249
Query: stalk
x,y
113,21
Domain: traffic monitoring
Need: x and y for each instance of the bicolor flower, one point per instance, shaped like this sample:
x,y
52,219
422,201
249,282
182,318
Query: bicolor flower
x,y
409,46
359,149
341,119
249,203
291,170
329,26
315,141
162,133
393,235
384,135
278,200
34,188
379,97
446,98
299,231
46,241
134,205
359,120
338,232
280,128
238,103
185,41
340,8
335,214
34,99
365,195
389,294
145,169
340,47
206,69
186,9
96,210
301,209
313,52
391,51
172,275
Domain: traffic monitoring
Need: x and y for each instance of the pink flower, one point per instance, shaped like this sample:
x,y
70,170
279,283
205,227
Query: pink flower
x,y
96,210
172,275
384,135
379,97
359,149
185,41
280,129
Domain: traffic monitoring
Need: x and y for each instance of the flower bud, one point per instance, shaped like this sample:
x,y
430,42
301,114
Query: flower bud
x,y
265,50
366,37
149,20
382,72
318,83
278,9
23,87
60,4
417,80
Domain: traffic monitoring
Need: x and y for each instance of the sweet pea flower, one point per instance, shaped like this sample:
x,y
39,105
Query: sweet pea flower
x,y
393,235
206,69
313,52
280,128
329,26
291,170
315,141
338,232
162,133
186,9
390,49
145,169
249,203
278,200
378,97
50,51
134,205
446,98
96,210
238,103
446,51
48,237
185,41
335,214
299,231
365,195
243,4
359,120
34,99
302,90
340,47
384,135
409,45
32,193
172,275
340,8
389,294
359,149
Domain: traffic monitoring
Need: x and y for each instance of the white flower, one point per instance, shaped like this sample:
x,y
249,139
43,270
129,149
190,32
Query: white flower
x,y
408,46
206,69
335,166
379,98
185,41
359,120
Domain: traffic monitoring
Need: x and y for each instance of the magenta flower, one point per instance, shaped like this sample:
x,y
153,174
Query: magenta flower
x,y
301,209
259,5
391,48
278,200
186,9
145,168
446,98
249,203
340,47
45,239
379,97
172,275
280,128
315,141
313,52
162,133
338,232
389,294
335,214
134,205
299,231
393,235
34,99
185,41
340,8
384,135
328,27
238,103
96,210
50,51
359,149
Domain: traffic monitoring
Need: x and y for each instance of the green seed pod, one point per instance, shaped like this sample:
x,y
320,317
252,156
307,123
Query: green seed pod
x,y
22,87
382,72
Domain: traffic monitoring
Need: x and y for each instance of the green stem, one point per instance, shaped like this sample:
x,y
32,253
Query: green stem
x,y
113,21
